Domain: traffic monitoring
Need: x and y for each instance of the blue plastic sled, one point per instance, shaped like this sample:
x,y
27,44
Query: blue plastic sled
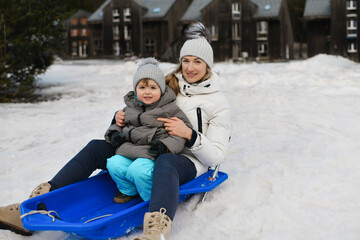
x,y
87,208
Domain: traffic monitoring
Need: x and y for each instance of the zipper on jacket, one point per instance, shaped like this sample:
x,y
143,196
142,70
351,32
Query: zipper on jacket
x,y
198,113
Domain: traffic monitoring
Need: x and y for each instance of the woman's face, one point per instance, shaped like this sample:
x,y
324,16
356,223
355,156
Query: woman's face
x,y
193,68
148,91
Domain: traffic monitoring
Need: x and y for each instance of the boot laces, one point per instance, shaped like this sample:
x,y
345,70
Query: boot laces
x,y
158,222
14,206
36,191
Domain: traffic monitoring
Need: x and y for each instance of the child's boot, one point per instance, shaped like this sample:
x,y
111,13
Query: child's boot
x,y
123,198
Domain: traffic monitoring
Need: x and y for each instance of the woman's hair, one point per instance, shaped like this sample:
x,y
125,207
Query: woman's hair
x,y
172,81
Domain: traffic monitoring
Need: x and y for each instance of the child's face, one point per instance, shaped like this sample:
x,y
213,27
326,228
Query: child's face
x,y
148,91
193,68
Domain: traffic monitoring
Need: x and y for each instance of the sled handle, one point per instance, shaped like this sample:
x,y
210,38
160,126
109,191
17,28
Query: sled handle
x,y
215,174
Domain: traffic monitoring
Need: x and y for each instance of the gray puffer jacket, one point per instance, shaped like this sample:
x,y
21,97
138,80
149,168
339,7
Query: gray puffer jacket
x,y
141,127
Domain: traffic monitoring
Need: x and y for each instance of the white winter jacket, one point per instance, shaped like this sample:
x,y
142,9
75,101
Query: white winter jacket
x,y
211,145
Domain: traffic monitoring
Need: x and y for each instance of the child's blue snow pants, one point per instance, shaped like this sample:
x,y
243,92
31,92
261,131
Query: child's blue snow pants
x,y
132,177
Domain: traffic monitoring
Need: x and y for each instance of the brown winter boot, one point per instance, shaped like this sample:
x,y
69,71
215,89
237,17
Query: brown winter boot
x,y
41,189
123,198
10,219
157,226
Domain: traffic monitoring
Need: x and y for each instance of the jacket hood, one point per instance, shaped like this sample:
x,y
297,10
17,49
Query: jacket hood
x,y
130,99
208,86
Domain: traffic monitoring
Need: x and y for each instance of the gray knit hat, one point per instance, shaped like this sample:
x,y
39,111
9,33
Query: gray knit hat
x,y
148,68
198,44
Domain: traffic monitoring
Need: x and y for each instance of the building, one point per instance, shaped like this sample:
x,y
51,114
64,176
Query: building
x,y
274,34
116,28
77,35
333,27
121,28
345,29
317,20
241,29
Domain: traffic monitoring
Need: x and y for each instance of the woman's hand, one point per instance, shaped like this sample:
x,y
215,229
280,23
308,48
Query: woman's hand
x,y
175,126
120,118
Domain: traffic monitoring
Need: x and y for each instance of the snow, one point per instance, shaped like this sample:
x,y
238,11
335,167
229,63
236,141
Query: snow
x,y
293,162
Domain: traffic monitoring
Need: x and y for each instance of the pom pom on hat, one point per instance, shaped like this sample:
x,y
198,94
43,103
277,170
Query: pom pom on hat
x,y
198,44
149,68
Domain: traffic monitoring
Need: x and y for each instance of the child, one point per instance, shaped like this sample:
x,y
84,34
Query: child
x,y
143,138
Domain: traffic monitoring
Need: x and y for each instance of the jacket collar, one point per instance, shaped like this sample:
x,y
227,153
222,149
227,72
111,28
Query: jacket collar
x,y
208,86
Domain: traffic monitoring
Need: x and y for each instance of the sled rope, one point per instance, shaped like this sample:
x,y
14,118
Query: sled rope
x,y
41,212
93,219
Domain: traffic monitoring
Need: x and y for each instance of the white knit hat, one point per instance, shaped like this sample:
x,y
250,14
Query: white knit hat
x,y
148,68
198,44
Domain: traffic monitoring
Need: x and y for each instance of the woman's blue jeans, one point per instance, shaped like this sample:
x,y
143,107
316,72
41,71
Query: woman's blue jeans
x,y
170,171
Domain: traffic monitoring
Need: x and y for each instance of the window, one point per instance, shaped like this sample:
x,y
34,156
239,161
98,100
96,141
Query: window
x,y
116,15
116,32
351,28
73,32
150,46
127,15
116,47
262,49
351,5
214,32
84,32
236,10
74,21
74,48
352,47
351,24
262,30
83,21
127,33
236,31
262,27
80,48
84,54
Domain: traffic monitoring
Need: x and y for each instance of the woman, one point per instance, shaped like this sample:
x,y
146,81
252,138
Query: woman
x,y
199,98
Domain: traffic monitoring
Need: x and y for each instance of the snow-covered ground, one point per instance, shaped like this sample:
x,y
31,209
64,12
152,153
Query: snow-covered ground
x,y
293,163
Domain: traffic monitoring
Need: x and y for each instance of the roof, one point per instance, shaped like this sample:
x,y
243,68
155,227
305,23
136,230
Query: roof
x,y
267,8
80,13
157,8
317,8
193,13
98,14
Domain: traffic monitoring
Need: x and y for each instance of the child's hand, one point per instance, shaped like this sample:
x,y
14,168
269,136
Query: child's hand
x,y
157,149
120,118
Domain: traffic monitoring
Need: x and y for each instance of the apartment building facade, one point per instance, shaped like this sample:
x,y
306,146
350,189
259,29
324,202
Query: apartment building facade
x,y
333,27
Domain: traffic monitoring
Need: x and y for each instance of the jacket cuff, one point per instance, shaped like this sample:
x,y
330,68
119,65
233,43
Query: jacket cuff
x,y
190,143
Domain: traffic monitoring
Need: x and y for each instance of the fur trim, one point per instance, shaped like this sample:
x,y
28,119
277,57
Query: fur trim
x,y
197,30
